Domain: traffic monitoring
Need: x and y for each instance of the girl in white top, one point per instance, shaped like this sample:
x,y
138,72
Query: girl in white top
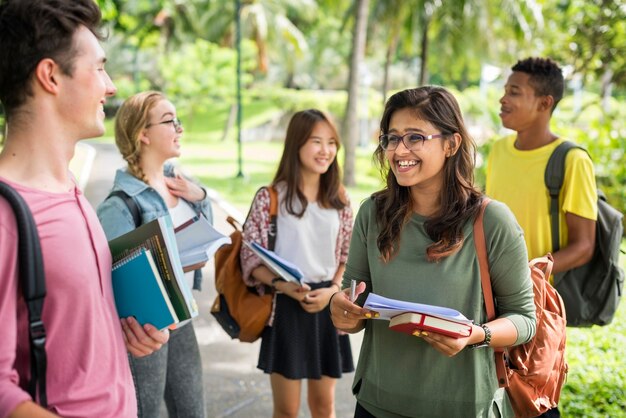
x,y
314,226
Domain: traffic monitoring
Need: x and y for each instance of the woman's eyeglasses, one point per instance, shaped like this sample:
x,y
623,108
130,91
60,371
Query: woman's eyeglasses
x,y
175,122
412,141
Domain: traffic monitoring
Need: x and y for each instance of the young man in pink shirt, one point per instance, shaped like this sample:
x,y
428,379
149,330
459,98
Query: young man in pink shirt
x,y
53,87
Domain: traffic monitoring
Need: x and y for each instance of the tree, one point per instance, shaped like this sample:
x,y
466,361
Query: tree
x,y
350,126
596,41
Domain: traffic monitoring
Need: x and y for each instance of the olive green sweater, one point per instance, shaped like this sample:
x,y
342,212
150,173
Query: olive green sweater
x,y
399,375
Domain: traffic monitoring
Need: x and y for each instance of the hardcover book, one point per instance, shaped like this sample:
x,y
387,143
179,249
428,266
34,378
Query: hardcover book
x,y
410,316
410,322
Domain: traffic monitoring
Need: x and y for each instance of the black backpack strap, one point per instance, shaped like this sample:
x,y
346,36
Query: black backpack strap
x,y
130,203
553,178
32,282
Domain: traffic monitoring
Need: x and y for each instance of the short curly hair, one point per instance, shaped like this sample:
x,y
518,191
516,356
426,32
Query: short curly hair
x,y
546,77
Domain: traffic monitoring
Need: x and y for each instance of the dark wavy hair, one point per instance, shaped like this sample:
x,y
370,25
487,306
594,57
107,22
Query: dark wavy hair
x,y
331,193
460,200
31,30
545,77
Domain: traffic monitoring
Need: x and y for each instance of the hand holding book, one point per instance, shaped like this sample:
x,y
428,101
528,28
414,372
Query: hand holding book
x,y
410,317
285,269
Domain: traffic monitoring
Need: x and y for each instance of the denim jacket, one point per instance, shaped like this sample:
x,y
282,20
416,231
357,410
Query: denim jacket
x,y
116,218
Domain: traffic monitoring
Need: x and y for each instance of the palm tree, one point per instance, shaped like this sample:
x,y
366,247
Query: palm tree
x,y
350,126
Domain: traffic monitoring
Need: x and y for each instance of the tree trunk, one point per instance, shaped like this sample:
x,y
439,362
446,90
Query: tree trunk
x,y
391,50
607,89
424,54
350,123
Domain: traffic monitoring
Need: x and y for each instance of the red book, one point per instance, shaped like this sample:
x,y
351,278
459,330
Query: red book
x,y
410,322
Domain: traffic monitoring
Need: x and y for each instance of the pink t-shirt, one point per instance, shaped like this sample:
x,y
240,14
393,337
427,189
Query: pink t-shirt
x,y
88,372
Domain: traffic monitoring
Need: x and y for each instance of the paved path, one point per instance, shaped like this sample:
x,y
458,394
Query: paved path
x,y
233,386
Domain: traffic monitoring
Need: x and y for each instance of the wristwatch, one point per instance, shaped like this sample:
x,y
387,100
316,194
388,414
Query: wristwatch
x,y
486,341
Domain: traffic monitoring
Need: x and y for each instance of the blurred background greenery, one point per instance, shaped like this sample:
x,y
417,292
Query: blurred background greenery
x,y
346,57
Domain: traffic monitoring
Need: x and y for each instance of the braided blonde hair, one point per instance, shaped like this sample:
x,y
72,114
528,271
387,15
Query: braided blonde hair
x,y
131,119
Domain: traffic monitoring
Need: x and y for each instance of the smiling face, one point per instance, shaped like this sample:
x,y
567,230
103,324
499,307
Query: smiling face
x,y
84,92
319,150
421,168
161,136
520,106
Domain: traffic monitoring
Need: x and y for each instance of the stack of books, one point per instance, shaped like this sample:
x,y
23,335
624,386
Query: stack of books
x,y
148,269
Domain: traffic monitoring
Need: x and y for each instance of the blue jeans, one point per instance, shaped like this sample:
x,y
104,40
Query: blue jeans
x,y
173,373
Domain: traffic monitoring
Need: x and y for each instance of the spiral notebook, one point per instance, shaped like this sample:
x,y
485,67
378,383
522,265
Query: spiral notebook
x,y
139,290
158,236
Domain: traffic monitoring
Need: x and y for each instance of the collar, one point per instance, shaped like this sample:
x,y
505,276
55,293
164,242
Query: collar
x,y
134,186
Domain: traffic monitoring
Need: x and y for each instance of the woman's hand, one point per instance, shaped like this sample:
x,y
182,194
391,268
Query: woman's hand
x,y
293,290
316,300
142,341
188,190
446,345
346,315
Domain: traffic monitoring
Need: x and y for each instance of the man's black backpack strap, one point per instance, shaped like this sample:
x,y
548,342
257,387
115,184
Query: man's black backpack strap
x,y
553,177
130,202
32,282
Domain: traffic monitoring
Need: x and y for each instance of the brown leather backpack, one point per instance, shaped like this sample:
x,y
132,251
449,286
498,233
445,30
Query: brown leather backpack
x,y
533,373
239,309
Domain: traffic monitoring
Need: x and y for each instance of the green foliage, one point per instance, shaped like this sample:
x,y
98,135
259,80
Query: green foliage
x,y
198,75
596,32
290,100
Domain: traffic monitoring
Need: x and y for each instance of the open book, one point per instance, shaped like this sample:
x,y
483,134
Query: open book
x,y
158,237
409,317
278,265
198,241
139,290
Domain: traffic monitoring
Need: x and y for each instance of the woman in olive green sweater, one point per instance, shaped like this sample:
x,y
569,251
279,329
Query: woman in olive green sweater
x,y
414,241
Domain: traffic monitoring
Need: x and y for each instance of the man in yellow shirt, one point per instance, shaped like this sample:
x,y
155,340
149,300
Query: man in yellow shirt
x,y
516,166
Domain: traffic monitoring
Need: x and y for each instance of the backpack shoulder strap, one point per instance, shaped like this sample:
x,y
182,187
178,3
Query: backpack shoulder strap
x,y
485,281
553,179
483,261
130,203
33,285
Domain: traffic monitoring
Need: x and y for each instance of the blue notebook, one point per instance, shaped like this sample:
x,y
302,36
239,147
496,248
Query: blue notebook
x,y
277,264
139,291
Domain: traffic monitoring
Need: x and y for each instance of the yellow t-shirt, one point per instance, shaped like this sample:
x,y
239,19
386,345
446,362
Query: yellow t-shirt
x,y
516,178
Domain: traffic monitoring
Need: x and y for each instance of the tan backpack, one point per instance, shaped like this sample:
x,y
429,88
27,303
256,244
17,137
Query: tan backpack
x,y
533,373
239,309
